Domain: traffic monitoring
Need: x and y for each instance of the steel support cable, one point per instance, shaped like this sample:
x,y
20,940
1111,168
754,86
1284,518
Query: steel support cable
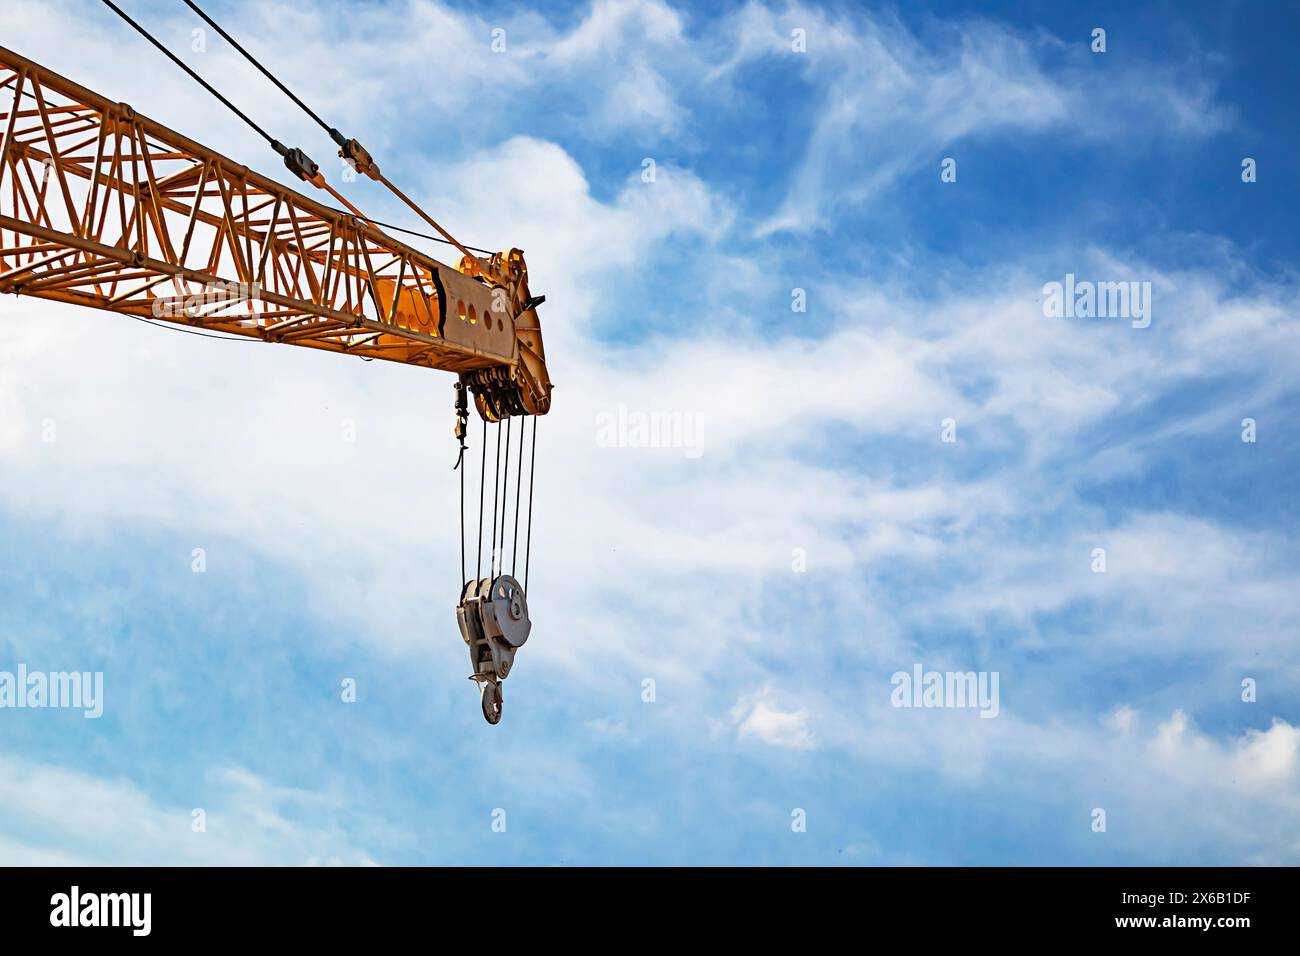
x,y
426,217
295,159
198,79
519,483
265,72
505,497
482,485
202,335
298,162
532,471
496,483
425,235
342,141
374,222
276,145
462,523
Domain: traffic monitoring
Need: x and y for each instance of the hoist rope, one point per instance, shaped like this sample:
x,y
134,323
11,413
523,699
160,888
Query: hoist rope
x,y
532,471
501,504
482,475
298,162
462,515
496,475
505,497
519,483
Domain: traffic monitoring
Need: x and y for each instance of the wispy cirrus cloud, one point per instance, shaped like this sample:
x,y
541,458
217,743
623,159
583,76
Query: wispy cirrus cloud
x,y
822,447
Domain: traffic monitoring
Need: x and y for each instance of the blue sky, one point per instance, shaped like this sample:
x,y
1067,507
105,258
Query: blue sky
x,y
821,435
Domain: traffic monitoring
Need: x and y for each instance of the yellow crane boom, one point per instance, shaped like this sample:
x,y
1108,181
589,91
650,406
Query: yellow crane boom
x,y
103,207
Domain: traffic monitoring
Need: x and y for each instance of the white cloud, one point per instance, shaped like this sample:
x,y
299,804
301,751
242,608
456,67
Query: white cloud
x,y
665,563
1263,762
249,822
889,100
610,24
534,195
1269,755
757,715
1123,719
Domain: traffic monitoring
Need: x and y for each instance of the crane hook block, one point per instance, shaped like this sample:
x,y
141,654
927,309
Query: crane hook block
x,y
494,623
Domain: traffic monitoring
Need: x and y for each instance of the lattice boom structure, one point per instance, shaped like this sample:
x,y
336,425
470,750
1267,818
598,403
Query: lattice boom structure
x,y
102,207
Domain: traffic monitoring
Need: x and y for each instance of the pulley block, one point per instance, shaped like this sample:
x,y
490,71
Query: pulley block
x,y
494,623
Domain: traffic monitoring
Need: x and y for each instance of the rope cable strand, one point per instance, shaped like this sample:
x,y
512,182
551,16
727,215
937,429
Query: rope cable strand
x,y
298,162
482,484
532,471
425,235
496,483
505,497
519,483
202,335
265,72
374,222
462,522
275,144
198,79
346,146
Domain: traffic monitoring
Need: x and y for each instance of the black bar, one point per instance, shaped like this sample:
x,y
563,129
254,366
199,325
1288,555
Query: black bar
x,y
979,906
